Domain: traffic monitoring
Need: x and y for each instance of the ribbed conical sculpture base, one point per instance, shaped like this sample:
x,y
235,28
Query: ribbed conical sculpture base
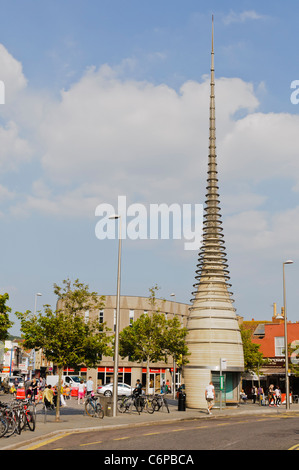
x,y
213,334
213,330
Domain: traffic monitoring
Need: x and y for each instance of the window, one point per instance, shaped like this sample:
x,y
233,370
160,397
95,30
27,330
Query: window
x,y
279,346
131,317
114,321
101,316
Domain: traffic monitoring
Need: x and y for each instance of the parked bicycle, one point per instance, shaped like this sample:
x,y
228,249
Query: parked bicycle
x,y
145,403
25,413
94,408
140,402
159,401
126,403
9,420
15,416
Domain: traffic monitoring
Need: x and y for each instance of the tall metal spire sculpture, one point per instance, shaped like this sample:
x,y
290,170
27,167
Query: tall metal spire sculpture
x,y
213,330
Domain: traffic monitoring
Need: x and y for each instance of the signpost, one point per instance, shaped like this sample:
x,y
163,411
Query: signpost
x,y
221,379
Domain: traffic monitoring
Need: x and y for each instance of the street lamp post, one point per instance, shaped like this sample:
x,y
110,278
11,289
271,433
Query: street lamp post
x,y
116,341
35,302
286,338
38,294
174,363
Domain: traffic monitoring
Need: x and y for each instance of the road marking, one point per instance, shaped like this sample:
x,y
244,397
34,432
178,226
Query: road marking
x,y
121,438
91,443
295,447
151,433
48,441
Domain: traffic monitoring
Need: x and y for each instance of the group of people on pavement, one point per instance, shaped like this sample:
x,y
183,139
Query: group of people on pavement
x,y
258,395
274,395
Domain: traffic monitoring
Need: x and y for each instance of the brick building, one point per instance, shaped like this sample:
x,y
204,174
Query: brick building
x,y
270,336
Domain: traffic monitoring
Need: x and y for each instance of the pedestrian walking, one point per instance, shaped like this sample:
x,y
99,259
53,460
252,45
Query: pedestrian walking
x,y
89,386
254,393
81,392
62,400
210,396
48,397
271,395
34,387
277,396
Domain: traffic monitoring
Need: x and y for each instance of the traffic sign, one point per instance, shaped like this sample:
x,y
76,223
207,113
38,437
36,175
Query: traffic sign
x,y
221,383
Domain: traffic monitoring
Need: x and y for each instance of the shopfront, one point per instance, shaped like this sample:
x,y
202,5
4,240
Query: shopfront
x,y
105,375
156,378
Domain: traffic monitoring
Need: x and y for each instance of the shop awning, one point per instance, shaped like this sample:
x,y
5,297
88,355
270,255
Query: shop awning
x,y
273,371
252,376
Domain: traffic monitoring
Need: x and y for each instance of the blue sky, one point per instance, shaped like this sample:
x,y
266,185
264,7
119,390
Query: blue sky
x,y
109,98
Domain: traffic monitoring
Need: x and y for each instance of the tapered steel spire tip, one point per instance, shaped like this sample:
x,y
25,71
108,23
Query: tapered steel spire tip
x,y
212,33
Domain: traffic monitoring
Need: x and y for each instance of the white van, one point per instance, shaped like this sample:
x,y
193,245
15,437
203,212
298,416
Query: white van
x,y
11,380
71,380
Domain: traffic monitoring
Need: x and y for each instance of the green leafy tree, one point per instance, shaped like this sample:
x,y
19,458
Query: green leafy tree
x,y
293,351
253,357
152,338
142,340
174,341
64,334
5,322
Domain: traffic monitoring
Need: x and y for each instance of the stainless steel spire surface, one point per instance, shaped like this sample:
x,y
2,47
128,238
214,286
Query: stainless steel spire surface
x,y
213,330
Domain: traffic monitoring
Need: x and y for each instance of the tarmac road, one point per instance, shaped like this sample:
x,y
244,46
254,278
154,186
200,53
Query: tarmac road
x,y
74,421
251,432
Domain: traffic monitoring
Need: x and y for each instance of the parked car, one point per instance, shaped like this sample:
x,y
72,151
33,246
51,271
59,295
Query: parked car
x,y
11,380
122,389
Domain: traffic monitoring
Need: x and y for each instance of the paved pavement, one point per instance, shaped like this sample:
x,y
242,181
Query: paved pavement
x,y
73,419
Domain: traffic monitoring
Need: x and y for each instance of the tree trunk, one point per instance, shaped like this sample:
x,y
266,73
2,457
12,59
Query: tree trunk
x,y
57,418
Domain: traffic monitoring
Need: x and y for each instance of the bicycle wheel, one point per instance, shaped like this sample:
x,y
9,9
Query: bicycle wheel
x,y
156,404
30,420
139,404
3,425
166,405
17,418
149,406
22,420
99,411
90,409
11,422
121,405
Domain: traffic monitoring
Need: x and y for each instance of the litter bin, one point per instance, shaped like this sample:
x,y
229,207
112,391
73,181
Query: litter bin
x,y
182,401
107,403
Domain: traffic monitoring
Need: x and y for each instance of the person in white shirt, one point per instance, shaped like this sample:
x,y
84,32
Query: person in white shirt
x,y
89,386
277,396
81,392
210,396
